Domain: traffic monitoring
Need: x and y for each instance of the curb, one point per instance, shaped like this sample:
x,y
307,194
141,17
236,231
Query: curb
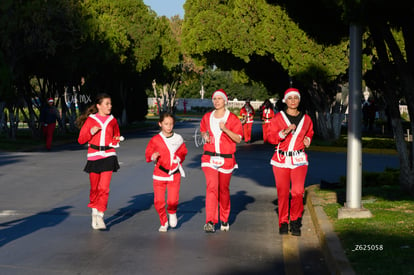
x,y
336,259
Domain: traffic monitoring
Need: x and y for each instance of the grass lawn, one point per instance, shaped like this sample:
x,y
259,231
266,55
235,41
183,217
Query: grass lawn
x,y
383,244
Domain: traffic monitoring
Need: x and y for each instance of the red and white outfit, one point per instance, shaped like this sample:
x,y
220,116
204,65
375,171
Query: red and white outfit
x,y
102,158
267,115
248,113
290,163
218,163
167,171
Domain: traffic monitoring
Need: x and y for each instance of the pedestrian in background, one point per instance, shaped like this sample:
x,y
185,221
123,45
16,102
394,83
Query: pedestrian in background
x,y
291,131
101,131
168,151
48,117
267,114
247,113
221,130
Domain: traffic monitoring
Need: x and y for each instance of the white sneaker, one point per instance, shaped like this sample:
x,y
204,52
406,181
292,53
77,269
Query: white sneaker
x,y
163,228
100,224
225,226
173,220
94,222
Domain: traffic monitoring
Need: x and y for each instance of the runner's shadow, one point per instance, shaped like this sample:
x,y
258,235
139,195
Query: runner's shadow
x,y
13,230
239,201
187,210
137,204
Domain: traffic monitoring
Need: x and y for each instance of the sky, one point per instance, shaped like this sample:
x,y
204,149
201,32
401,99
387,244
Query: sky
x,y
168,8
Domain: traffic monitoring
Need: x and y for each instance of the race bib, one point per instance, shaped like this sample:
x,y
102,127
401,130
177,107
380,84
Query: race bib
x,y
299,159
217,161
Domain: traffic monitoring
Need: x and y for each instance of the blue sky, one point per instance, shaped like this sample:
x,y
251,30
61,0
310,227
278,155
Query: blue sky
x,y
168,8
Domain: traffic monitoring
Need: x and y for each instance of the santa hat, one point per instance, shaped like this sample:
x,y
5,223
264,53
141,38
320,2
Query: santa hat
x,y
222,93
50,100
289,92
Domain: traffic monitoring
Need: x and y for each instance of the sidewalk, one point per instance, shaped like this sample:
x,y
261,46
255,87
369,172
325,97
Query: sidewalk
x,y
335,257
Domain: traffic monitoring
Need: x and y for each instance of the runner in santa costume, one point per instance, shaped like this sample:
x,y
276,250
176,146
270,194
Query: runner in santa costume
x,y
247,112
291,131
221,130
267,115
167,149
101,131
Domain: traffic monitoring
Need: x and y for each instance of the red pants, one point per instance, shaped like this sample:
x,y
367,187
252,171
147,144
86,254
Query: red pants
x,y
284,177
217,195
99,193
172,196
247,131
265,127
48,133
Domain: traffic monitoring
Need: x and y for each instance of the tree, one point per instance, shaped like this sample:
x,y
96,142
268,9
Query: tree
x,y
389,41
262,40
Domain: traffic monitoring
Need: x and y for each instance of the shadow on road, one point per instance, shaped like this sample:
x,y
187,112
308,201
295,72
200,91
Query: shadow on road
x,y
239,201
13,230
137,204
188,209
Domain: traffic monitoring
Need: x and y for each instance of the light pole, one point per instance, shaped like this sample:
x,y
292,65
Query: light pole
x,y
353,207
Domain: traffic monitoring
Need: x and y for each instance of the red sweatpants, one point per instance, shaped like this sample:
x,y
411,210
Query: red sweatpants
x,y
48,133
247,131
99,193
265,127
217,195
283,178
173,193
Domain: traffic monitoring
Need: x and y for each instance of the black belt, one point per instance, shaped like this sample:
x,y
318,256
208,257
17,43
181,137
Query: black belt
x,y
167,171
100,148
226,156
289,153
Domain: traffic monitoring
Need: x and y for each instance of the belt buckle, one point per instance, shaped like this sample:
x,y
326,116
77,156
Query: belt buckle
x,y
101,148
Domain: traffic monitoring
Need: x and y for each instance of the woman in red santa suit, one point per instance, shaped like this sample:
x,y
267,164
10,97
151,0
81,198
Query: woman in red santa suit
x,y
267,115
221,130
292,131
247,113
101,131
167,149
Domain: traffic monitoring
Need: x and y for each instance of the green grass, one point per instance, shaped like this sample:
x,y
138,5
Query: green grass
x,y
385,241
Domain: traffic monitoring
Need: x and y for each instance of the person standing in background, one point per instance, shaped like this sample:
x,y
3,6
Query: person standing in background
x,y
291,131
48,117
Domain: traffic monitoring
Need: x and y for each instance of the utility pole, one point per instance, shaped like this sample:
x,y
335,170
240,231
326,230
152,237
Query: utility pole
x,y
353,206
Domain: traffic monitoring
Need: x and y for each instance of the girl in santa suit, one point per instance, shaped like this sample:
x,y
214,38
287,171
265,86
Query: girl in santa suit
x,y
101,131
292,131
247,112
221,130
167,149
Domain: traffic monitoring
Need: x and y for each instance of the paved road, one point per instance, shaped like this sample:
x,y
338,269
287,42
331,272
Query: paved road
x,y
45,224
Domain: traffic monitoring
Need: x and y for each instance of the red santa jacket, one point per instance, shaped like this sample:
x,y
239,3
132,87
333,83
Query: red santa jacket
x,y
220,143
248,112
290,149
172,152
106,137
267,115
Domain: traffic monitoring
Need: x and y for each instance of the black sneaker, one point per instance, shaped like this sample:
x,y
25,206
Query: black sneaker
x,y
209,227
283,229
295,227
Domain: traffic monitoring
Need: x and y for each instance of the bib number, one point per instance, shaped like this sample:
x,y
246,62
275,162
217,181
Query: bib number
x,y
299,159
217,161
